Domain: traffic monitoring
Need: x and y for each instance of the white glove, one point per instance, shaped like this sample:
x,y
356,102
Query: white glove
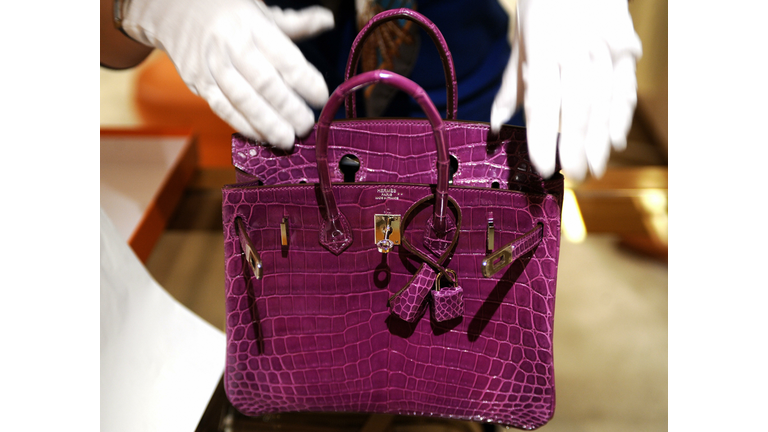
x,y
238,55
577,60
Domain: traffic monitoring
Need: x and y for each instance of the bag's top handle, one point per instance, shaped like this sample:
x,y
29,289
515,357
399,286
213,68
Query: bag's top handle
x,y
437,38
335,232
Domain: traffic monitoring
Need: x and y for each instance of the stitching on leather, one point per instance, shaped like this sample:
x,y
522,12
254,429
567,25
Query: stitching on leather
x,y
449,124
396,185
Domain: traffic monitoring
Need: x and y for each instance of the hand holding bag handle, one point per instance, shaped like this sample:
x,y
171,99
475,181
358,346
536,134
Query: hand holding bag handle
x,y
437,37
335,232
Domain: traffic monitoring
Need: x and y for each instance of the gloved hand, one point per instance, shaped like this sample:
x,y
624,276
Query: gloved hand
x,y
238,55
574,62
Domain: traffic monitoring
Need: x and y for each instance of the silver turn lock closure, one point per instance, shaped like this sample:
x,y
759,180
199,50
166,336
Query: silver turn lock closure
x,y
386,232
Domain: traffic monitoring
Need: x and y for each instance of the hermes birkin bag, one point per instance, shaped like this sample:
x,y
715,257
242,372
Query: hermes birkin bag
x,y
415,289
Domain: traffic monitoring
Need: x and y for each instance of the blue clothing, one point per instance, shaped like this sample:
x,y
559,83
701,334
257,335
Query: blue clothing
x,y
475,32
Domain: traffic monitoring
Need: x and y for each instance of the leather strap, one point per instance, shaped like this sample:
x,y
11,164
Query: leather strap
x,y
432,31
512,251
437,265
426,274
527,242
335,232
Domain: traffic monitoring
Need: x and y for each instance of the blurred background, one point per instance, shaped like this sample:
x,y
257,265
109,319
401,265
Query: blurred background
x,y
611,311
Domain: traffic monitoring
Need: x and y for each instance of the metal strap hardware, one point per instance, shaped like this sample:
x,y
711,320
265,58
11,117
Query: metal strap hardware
x,y
284,231
440,274
498,260
489,235
251,256
503,257
387,231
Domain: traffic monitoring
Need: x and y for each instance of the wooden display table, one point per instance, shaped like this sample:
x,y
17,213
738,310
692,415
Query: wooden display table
x,y
143,175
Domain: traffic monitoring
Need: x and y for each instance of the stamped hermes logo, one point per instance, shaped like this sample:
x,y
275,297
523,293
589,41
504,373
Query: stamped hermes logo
x,y
387,193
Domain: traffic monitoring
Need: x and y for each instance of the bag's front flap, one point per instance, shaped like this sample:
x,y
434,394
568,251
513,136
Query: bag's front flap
x,y
397,151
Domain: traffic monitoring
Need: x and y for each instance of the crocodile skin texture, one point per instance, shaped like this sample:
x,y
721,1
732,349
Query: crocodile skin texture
x,y
435,242
408,304
484,160
332,234
447,304
524,244
426,278
315,333
341,231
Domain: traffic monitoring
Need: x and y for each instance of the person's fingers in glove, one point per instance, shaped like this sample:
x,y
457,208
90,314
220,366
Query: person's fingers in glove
x,y
578,61
508,97
238,55
303,24
271,112
280,52
542,89
623,98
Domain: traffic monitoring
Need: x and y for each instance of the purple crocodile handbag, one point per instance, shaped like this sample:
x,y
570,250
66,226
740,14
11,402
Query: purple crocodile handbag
x,y
426,286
